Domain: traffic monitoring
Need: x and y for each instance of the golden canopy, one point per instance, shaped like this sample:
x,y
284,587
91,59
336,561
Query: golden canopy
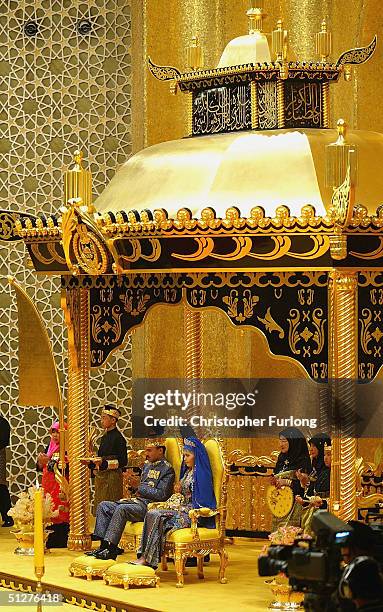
x,y
244,169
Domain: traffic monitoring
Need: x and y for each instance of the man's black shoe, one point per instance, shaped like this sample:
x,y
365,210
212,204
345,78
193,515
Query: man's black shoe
x,y
93,553
106,554
8,522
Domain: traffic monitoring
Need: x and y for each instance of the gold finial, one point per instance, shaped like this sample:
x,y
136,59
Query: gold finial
x,y
78,183
256,15
280,42
195,54
323,42
340,157
341,127
77,158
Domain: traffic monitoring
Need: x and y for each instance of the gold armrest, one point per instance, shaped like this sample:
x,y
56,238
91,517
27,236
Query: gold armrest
x,y
197,513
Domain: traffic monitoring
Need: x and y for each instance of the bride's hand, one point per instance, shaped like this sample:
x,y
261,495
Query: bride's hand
x,y
177,488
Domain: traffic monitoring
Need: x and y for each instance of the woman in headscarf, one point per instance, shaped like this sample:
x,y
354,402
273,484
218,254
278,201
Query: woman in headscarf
x,y
46,462
293,460
317,484
195,490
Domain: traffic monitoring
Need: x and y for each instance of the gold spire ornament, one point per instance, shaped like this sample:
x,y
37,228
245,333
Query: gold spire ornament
x,y
195,54
341,171
323,43
340,156
256,15
78,183
279,41
253,48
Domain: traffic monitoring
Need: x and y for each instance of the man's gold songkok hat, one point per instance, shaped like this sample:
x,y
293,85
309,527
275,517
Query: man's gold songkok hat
x,y
111,411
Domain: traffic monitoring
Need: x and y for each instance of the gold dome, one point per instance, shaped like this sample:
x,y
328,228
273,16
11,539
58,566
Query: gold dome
x,y
244,169
249,49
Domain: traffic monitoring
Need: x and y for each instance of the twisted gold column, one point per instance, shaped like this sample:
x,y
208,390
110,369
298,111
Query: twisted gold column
x,y
193,332
326,104
78,420
254,106
281,103
343,360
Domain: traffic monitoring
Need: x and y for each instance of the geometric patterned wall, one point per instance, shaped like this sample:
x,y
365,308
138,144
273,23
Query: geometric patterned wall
x,y
60,89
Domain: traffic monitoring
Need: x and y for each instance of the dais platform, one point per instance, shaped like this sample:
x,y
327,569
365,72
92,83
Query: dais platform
x,y
244,591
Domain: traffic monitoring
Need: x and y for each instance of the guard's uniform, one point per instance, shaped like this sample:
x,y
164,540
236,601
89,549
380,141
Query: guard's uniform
x,y
156,484
108,484
5,500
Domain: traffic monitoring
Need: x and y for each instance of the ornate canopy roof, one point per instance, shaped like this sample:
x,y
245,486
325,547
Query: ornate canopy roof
x,y
246,191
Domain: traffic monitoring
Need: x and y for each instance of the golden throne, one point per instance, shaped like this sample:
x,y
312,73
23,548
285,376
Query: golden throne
x,y
197,541
132,532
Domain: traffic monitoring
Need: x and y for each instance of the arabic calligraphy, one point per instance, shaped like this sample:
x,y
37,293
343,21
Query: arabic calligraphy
x,y
222,109
303,104
267,105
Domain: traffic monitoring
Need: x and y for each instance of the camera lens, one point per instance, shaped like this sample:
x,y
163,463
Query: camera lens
x,y
270,567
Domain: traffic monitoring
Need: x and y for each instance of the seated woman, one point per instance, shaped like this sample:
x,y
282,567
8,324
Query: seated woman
x,y
195,490
46,462
292,460
317,485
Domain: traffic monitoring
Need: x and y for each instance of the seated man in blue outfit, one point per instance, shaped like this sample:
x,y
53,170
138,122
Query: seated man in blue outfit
x,y
155,484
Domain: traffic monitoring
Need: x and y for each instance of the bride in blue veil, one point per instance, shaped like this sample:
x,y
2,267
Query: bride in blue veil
x,y
195,490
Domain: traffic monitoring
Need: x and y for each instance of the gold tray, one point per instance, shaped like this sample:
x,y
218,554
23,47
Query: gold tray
x,y
89,459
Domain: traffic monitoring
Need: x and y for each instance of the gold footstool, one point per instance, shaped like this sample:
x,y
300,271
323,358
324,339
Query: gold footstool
x,y
127,574
89,567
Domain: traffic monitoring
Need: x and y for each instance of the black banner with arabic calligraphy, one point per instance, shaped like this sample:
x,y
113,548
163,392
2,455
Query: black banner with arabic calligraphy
x,y
303,104
222,109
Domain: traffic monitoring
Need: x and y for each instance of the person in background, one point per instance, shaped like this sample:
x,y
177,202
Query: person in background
x,y
5,499
362,583
47,462
294,458
112,457
316,485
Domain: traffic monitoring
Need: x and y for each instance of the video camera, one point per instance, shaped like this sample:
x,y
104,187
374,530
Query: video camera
x,y
315,567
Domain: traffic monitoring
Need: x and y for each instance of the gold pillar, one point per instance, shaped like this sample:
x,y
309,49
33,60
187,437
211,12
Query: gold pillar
x,y
77,318
343,362
193,330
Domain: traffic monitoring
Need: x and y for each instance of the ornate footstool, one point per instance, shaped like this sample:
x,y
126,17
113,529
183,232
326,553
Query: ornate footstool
x,y
127,574
89,567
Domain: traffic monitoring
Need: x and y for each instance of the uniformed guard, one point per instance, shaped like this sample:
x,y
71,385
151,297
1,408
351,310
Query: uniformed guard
x,y
155,484
111,459
5,499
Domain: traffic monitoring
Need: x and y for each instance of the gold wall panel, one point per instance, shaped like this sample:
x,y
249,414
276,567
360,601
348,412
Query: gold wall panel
x,y
58,91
